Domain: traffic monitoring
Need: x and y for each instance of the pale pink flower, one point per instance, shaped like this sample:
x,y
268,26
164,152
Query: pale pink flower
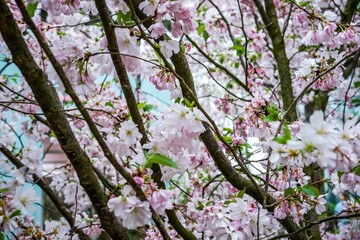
x,y
160,201
118,205
330,16
321,205
307,66
157,30
25,200
176,29
137,213
118,5
148,7
169,47
129,133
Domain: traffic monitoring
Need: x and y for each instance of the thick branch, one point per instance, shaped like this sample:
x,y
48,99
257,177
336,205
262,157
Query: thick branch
x,y
349,11
188,89
50,104
269,18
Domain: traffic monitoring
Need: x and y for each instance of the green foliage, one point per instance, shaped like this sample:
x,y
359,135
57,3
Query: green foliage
x,y
288,192
310,190
31,8
109,104
200,206
187,103
272,113
125,19
158,158
284,138
146,107
2,190
15,213
305,3
356,101
240,50
241,193
202,32
356,170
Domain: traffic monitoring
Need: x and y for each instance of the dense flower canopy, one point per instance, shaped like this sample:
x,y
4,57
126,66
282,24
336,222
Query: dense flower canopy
x,y
258,129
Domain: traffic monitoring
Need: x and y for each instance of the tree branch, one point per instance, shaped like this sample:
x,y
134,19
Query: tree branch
x,y
48,100
187,85
354,215
269,18
44,185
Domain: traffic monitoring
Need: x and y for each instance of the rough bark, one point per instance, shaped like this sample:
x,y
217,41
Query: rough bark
x,y
269,17
132,105
49,102
182,68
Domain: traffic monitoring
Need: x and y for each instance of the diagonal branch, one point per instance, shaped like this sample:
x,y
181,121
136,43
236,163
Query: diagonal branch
x,y
187,85
48,100
131,102
44,185
69,89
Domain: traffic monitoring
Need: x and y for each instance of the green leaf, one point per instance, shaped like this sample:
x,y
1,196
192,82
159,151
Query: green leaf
x,y
229,85
221,59
109,104
31,8
227,130
158,158
148,107
182,48
357,84
124,18
240,50
358,7
2,237
304,4
157,50
206,35
310,190
272,114
167,24
141,105
187,103
15,213
227,139
241,193
227,202
2,190
356,170
200,206
60,33
202,32
288,192
284,138
201,28
356,102
52,134
210,203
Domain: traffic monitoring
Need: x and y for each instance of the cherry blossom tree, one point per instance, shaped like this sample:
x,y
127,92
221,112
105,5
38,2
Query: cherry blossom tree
x,y
261,125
